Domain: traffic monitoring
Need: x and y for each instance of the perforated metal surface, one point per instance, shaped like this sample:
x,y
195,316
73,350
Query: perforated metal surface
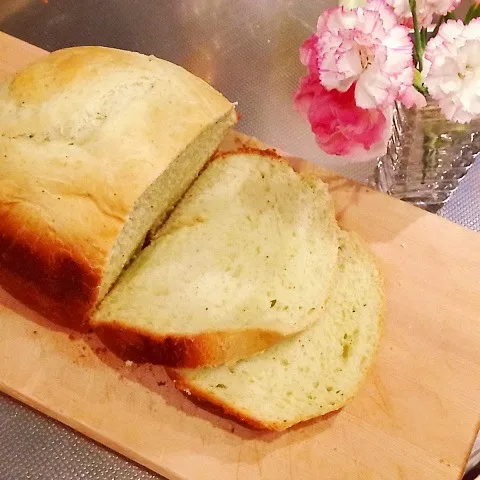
x,y
249,51
463,207
35,447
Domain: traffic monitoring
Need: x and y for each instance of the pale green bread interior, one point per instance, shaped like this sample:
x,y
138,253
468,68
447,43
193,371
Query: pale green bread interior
x,y
155,203
252,245
314,372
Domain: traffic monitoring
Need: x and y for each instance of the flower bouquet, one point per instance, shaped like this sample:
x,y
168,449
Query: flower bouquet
x,y
397,80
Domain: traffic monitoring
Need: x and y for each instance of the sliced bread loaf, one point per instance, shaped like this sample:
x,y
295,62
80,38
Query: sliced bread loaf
x,y
96,145
314,372
245,260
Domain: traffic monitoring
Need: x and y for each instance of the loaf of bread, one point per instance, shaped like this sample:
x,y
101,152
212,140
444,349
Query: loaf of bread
x,y
96,146
312,373
245,260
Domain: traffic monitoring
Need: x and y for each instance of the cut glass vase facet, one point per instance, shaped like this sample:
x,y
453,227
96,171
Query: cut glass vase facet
x,y
427,156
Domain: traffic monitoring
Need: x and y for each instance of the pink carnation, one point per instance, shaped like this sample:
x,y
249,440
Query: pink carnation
x,y
367,48
339,125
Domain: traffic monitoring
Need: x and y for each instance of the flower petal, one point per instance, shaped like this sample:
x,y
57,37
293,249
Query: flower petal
x,y
452,72
411,97
372,88
339,125
365,46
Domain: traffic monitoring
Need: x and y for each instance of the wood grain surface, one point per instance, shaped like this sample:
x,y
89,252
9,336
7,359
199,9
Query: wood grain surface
x,y
415,417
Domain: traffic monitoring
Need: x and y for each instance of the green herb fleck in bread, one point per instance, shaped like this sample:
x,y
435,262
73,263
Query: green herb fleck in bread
x,y
245,260
314,372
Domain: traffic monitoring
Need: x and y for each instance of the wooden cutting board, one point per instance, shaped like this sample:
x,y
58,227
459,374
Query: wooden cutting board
x,y
414,418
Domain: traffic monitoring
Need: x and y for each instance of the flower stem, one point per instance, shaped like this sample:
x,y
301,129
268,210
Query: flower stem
x,y
472,13
437,26
418,46
424,37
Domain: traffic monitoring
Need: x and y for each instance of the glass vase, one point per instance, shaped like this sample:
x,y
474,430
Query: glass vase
x,y
427,156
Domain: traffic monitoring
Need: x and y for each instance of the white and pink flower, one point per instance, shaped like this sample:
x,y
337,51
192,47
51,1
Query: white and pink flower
x,y
452,69
426,10
360,63
366,47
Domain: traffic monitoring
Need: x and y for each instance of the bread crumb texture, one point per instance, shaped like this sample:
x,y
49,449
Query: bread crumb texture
x,y
252,245
314,372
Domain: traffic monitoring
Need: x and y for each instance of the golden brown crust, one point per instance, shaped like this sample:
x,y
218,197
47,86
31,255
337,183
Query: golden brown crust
x,y
188,351
45,275
238,414
271,153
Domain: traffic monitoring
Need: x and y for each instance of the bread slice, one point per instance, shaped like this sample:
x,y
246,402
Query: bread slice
x,y
316,371
245,260
96,145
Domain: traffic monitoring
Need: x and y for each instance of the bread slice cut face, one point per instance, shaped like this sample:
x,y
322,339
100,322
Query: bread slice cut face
x,y
245,260
314,372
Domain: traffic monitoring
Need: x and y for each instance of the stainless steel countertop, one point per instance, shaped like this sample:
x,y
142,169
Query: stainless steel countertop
x,y
248,49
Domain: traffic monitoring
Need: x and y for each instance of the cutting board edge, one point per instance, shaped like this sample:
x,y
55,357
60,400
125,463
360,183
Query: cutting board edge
x,y
88,432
